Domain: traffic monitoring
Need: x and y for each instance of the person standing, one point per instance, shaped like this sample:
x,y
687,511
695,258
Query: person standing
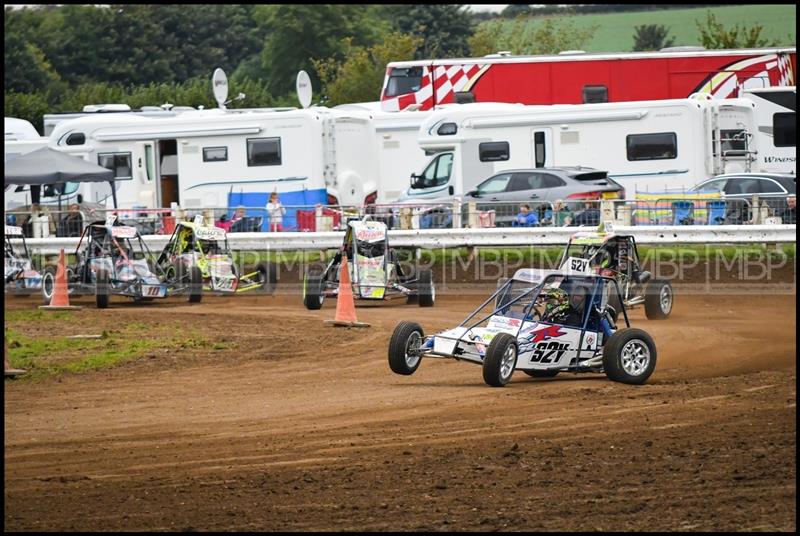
x,y
275,211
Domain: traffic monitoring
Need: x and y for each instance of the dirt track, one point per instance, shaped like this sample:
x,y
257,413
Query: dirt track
x,y
302,426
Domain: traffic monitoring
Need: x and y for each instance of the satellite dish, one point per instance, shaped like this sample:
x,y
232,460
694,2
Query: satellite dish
x,y
219,83
304,89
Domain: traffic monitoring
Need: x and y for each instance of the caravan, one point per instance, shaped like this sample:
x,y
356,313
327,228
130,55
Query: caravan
x,y
776,115
644,146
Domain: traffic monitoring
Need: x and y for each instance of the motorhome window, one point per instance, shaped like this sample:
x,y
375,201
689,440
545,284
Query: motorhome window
x,y
76,138
403,80
592,94
463,97
438,171
493,151
784,128
539,147
660,146
54,190
264,152
732,140
447,129
119,163
215,154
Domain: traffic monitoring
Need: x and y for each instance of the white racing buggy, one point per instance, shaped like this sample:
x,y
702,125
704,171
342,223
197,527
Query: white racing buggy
x,y
21,278
194,244
541,322
607,253
375,272
113,259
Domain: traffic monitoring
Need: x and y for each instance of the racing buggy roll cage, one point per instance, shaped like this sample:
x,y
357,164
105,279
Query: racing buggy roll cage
x,y
589,303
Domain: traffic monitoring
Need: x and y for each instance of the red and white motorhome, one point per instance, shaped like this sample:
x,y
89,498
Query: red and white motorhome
x,y
576,77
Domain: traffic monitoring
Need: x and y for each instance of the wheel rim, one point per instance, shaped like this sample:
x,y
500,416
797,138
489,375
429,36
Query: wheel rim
x,y
433,292
635,357
665,298
507,363
412,348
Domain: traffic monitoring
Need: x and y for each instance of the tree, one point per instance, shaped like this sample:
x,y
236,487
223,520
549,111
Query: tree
x,y
358,77
297,34
714,35
651,37
444,28
525,36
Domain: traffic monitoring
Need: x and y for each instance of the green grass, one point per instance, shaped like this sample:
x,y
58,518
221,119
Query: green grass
x,y
53,356
616,30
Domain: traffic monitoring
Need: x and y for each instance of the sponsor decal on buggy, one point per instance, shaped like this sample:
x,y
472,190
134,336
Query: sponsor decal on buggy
x,y
210,233
504,322
545,333
370,231
123,231
225,283
13,230
198,220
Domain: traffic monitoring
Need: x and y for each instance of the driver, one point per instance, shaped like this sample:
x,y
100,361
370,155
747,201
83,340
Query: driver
x,y
561,308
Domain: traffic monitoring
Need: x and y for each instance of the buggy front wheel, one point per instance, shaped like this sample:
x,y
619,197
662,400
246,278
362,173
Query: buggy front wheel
x,y
48,283
404,348
500,360
102,289
426,291
267,277
629,356
313,286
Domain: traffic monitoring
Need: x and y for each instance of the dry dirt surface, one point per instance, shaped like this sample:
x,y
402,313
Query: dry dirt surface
x,y
296,425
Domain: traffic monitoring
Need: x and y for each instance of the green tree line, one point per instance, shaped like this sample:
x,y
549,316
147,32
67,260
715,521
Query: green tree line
x,y
60,58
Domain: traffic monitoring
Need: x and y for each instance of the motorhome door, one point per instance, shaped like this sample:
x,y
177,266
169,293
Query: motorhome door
x,y
541,148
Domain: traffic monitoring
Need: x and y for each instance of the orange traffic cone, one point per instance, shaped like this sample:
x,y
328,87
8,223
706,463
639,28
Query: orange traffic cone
x,y
60,298
345,303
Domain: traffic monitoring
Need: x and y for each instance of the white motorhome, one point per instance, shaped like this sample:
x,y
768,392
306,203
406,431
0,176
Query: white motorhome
x,y
222,158
644,146
776,115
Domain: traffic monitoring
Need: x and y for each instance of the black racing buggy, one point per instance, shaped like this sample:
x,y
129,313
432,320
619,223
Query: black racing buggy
x,y
375,271
614,255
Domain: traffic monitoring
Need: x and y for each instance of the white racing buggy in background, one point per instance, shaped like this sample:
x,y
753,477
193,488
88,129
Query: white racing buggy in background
x,y
541,322
21,278
606,253
207,248
375,272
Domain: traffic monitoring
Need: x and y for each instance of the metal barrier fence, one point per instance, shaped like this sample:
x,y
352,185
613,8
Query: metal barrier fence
x,y
45,223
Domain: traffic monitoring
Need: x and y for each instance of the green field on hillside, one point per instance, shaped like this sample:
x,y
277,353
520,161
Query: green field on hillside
x,y
615,32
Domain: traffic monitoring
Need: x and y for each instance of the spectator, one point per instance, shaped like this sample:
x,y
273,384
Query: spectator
x,y
238,220
525,218
789,214
275,212
72,223
223,223
588,216
561,215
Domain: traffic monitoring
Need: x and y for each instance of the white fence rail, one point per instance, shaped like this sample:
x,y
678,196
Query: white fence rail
x,y
495,237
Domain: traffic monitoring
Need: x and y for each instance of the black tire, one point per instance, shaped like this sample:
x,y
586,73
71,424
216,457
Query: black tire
x,y
426,291
195,285
613,314
102,289
170,274
500,360
406,336
267,277
313,285
658,299
48,283
541,373
629,356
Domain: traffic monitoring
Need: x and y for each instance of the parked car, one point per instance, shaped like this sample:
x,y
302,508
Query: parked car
x,y
774,188
541,185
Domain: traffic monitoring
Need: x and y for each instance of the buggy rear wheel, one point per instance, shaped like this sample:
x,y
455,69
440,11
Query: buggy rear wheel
x,y
500,360
629,356
102,289
658,299
404,347
313,287
267,277
426,291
